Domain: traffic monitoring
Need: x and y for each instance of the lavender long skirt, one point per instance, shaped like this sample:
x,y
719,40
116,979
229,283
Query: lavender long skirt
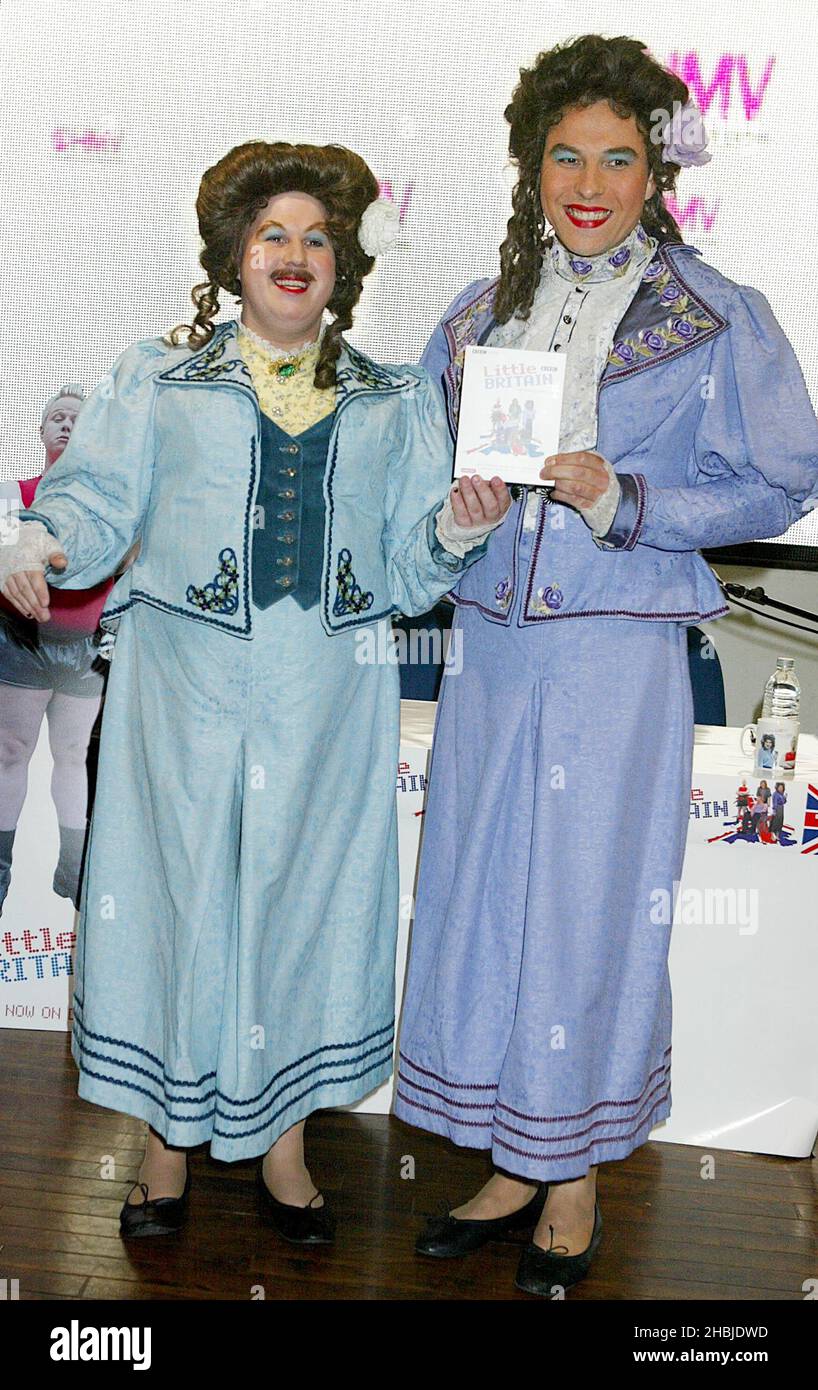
x,y
537,1016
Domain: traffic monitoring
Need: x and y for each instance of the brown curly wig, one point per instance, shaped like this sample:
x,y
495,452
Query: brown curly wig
x,y
578,72
234,191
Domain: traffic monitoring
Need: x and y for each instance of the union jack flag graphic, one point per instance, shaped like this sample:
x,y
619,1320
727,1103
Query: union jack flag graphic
x,y
810,841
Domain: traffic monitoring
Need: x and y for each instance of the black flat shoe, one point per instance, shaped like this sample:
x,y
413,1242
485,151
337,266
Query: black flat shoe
x,y
301,1225
543,1272
163,1216
449,1236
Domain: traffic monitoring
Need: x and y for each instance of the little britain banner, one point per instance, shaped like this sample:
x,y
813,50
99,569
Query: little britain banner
x,y
771,817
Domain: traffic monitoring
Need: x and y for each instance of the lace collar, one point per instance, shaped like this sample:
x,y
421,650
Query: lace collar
x,y
310,348
637,247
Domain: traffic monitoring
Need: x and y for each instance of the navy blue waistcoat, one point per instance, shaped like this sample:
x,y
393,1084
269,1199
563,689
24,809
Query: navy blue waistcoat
x,y
288,537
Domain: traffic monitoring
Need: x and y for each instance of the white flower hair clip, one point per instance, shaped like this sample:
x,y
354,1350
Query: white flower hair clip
x,y
379,227
684,136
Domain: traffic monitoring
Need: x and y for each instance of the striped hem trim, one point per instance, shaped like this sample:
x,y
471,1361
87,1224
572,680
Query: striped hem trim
x,y
166,1081
644,1124
654,1093
157,1089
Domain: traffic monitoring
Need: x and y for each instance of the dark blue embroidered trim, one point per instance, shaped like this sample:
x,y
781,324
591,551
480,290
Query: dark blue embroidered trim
x,y
364,371
378,1048
355,375
382,1047
329,624
337,1081
221,593
142,596
385,1045
166,1079
207,364
327,1082
350,598
137,595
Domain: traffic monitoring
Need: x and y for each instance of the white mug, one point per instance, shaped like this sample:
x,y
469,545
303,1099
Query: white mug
x,y
774,743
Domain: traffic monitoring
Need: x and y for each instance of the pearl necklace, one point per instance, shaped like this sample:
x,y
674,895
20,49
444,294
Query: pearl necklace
x,y
285,364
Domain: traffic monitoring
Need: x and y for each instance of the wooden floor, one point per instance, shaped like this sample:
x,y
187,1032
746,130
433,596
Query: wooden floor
x,y
749,1234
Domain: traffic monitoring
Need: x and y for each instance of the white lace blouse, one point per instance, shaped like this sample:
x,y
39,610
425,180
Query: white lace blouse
x,y
578,305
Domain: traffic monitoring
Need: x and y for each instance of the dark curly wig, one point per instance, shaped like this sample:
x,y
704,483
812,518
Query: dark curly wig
x,y
578,72
234,191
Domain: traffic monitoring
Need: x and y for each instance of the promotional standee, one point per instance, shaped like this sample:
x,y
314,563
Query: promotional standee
x,y
51,686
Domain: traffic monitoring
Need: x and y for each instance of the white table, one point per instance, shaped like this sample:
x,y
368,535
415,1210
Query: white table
x,y
743,957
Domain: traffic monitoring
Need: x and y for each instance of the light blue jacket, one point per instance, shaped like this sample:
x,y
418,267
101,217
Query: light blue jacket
x,y
167,448
705,416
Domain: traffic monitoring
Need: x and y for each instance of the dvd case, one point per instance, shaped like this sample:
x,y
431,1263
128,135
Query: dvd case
x,y
510,407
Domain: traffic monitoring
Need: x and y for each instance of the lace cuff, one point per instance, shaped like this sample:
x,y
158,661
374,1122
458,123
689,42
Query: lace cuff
x,y
455,538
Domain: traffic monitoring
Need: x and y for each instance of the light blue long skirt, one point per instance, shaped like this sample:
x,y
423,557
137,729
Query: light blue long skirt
x,y
235,962
537,1016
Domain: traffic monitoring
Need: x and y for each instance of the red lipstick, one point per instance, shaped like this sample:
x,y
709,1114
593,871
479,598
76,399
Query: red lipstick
x,y
579,215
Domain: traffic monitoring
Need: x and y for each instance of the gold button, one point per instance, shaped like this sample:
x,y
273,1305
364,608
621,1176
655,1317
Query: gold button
x,y
288,493
285,560
289,472
285,582
287,537
285,516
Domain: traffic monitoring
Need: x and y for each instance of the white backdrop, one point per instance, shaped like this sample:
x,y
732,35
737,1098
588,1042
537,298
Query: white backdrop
x,y
111,112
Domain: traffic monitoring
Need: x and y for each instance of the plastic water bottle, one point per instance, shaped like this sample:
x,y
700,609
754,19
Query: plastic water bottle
x,y
782,693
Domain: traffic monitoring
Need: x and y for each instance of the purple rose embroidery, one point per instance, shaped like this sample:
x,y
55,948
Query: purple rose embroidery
x,y
581,267
553,596
654,342
670,293
683,328
502,593
621,257
624,352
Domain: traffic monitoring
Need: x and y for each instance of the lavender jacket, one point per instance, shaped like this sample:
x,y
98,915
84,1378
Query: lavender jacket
x,y
704,413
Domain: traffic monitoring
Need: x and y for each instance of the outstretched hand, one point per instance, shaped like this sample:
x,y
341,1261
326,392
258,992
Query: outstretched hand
x,y
476,502
28,590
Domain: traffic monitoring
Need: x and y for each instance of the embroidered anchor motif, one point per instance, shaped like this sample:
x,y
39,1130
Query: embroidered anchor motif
x,y
221,595
350,598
